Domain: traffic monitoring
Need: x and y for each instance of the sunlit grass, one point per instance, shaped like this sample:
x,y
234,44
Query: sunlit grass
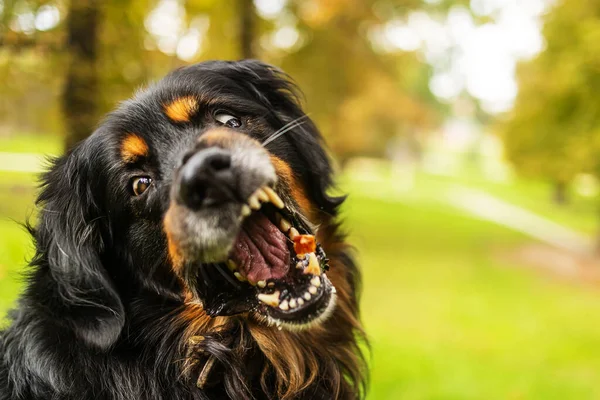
x,y
449,321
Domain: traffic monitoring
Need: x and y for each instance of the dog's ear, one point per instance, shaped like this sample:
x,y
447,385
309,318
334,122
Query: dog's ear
x,y
276,90
69,246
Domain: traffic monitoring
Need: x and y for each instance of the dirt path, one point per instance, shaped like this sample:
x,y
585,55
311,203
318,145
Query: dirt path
x,y
487,207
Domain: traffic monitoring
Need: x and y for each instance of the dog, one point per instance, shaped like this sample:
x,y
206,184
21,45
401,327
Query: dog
x,y
190,249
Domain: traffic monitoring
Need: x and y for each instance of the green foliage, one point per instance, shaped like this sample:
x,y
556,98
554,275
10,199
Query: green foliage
x,y
554,130
359,96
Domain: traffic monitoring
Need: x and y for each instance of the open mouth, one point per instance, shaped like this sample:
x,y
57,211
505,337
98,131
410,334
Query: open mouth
x,y
278,268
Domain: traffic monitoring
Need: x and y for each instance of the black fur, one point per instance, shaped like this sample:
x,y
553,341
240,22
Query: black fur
x,y
99,314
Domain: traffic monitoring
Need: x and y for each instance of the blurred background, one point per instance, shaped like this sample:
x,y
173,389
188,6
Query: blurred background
x,y
466,132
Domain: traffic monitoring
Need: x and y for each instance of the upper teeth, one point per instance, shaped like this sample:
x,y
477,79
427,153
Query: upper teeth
x,y
275,199
263,195
285,225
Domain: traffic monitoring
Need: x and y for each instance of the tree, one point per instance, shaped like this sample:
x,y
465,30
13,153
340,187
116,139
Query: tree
x,y
80,95
554,130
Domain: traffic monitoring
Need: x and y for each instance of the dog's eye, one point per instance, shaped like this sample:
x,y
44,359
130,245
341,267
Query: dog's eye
x,y
140,184
229,120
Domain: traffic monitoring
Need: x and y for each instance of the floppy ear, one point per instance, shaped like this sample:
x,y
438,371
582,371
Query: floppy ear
x,y
276,90
69,245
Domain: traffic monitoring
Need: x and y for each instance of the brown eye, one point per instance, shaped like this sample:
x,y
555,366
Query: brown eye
x,y
140,184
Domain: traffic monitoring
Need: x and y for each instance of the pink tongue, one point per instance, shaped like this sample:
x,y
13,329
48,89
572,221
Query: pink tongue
x,y
260,250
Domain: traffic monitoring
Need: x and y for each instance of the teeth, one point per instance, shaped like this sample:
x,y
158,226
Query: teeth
x,y
293,233
307,296
312,289
271,284
300,301
252,283
299,265
261,284
293,303
231,265
316,281
284,225
284,305
239,277
262,196
313,265
269,299
254,203
246,210
333,290
275,199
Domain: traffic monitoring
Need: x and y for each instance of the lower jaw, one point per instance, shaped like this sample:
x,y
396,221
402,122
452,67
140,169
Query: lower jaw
x,y
306,315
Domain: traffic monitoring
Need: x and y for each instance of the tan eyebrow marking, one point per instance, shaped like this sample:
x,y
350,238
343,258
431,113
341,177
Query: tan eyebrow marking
x,y
133,148
182,109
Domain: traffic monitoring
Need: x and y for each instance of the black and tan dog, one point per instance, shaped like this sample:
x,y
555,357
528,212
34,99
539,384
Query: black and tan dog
x,y
167,262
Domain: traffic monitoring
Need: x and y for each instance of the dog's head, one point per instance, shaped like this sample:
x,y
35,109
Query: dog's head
x,y
208,185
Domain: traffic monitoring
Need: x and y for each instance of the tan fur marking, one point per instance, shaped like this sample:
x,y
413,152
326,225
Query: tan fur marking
x,y
182,109
133,148
173,249
284,171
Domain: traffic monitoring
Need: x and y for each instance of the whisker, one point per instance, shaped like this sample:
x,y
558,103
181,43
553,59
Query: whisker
x,y
286,128
275,136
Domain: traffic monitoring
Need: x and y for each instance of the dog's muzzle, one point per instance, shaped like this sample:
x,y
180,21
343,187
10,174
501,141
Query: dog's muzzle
x,y
236,243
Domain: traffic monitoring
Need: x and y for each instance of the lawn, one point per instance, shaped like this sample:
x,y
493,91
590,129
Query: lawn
x,y
447,317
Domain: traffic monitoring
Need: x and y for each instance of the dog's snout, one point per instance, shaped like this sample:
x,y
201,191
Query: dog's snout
x,y
207,178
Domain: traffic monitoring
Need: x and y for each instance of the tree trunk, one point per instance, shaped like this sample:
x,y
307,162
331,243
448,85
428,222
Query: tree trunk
x,y
560,193
247,19
79,99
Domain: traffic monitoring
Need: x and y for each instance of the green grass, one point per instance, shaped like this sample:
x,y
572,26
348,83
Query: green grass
x,y
29,143
449,321
447,317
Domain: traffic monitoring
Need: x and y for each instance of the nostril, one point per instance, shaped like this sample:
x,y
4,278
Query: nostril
x,y
206,178
220,162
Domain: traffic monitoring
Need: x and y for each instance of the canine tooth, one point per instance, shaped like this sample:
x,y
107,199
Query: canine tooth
x,y
284,305
293,233
269,299
246,210
313,265
316,281
307,296
239,277
275,199
299,265
285,225
231,265
300,301
333,290
261,284
293,303
312,289
271,284
262,196
254,203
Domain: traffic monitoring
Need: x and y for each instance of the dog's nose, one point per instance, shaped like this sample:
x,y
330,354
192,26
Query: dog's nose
x,y
207,179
